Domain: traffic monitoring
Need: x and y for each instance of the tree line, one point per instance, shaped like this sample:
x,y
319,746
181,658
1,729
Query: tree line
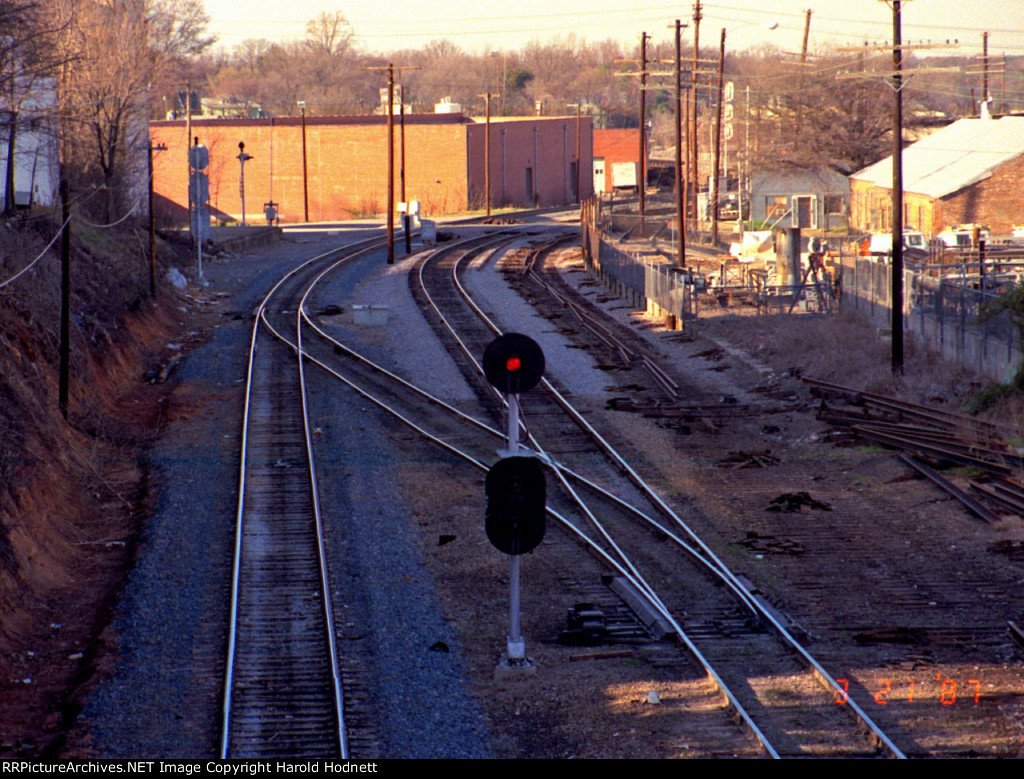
x,y
115,63
88,71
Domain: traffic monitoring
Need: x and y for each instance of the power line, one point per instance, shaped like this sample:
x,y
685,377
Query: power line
x,y
40,256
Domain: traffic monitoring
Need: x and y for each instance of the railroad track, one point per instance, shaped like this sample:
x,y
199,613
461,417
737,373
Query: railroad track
x,y
283,691
447,267
718,657
724,629
913,613
598,533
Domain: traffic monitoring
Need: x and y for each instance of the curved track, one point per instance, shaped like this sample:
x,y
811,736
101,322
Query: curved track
x,y
741,608
283,693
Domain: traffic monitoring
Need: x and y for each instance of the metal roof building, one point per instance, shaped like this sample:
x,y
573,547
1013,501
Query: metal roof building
x,y
967,172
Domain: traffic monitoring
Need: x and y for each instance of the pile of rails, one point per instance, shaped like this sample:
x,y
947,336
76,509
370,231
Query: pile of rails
x,y
930,438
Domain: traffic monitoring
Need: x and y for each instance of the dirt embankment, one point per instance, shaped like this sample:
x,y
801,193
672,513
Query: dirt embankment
x,y
72,492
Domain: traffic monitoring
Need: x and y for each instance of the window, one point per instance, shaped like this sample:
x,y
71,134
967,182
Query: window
x,y
775,206
835,204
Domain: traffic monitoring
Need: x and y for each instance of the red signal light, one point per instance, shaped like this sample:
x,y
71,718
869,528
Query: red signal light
x,y
513,363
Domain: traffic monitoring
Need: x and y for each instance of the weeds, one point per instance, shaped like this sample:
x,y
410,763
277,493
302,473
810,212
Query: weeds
x,y
1012,303
987,398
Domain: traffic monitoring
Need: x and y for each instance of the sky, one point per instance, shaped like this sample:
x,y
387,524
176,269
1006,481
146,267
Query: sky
x,y
484,25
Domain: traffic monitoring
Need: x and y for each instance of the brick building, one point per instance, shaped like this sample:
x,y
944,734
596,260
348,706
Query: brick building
x,y
968,172
614,148
533,161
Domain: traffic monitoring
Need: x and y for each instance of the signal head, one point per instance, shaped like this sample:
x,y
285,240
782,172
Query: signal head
x,y
513,363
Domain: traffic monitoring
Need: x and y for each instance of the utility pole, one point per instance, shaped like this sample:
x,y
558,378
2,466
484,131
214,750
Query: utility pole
x,y
984,65
406,217
642,132
680,211
305,176
65,302
391,155
713,189
697,16
188,142
803,68
152,219
391,164
1002,86
686,178
578,105
897,192
745,167
579,110
643,114
487,151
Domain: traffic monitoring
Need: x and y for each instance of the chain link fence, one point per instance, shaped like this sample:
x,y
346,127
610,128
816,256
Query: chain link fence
x,y
950,307
648,283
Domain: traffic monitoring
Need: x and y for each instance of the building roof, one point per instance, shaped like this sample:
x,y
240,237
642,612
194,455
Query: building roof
x,y
791,179
954,157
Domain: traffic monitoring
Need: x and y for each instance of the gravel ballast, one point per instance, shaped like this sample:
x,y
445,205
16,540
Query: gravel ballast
x,y
164,696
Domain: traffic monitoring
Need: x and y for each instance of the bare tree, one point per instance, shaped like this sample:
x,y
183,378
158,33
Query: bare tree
x,y
176,28
328,35
250,54
28,60
125,49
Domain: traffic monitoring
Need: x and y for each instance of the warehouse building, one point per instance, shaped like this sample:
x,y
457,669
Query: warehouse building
x,y
533,162
967,173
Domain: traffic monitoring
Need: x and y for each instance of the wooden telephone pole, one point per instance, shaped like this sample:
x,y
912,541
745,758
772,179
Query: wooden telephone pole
x,y
695,160
487,150
390,108
680,189
642,173
713,192
897,192
642,135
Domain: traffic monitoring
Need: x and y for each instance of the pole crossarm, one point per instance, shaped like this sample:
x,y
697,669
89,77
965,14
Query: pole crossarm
x,y
887,47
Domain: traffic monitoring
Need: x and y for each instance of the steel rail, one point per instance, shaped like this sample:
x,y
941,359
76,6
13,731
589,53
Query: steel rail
x,y
461,414
637,576
240,513
569,524
947,418
585,318
724,571
620,461
483,426
324,577
637,581
591,543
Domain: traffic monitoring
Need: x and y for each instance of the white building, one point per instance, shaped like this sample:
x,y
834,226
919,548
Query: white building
x,y
33,107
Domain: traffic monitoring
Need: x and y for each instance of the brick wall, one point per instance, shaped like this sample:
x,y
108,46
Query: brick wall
x,y
544,146
346,164
997,202
616,146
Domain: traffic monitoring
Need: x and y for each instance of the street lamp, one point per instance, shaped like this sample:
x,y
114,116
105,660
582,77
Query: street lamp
x,y
242,158
305,185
